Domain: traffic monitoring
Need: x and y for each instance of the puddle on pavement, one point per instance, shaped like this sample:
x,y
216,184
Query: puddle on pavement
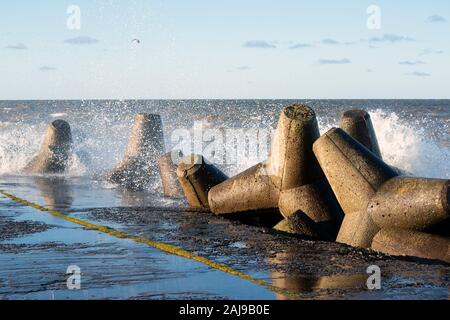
x,y
111,268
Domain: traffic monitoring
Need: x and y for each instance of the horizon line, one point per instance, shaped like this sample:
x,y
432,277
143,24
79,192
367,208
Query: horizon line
x,y
217,99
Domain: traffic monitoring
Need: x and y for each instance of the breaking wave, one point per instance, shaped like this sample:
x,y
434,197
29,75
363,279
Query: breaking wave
x,y
100,140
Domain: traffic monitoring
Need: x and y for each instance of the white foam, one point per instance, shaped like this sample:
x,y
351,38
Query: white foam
x,y
406,146
409,147
18,144
58,115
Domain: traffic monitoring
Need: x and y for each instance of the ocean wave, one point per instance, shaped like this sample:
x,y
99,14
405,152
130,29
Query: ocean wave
x,y
100,143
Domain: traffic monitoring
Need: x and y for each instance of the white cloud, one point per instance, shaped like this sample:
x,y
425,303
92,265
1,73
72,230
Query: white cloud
x,y
334,61
436,19
411,63
259,44
300,46
19,46
426,52
330,41
419,74
391,38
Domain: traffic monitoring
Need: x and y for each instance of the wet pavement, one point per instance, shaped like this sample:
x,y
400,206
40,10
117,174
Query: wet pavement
x,y
36,249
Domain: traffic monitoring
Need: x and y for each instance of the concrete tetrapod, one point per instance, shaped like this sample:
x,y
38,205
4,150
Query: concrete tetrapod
x,y
291,164
197,177
299,223
355,174
398,242
358,124
248,191
55,150
315,200
411,203
145,146
168,165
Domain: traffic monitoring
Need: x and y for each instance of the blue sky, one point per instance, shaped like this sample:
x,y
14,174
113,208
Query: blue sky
x,y
224,49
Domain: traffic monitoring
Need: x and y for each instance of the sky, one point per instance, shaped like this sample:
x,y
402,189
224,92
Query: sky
x,y
253,49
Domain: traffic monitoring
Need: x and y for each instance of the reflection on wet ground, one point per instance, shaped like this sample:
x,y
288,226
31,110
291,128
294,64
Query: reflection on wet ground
x,y
34,265
56,192
36,249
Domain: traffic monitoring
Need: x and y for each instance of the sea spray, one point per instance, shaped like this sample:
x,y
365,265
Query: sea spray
x,y
410,147
415,141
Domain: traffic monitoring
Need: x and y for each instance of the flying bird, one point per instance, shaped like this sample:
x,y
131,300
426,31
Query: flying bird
x,y
136,41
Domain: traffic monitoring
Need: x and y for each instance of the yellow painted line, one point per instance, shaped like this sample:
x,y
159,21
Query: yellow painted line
x,y
167,248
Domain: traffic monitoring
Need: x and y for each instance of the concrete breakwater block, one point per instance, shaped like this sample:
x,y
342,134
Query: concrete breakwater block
x,y
248,191
263,218
291,164
145,146
168,165
358,124
55,150
411,203
197,177
298,223
398,242
355,174
315,200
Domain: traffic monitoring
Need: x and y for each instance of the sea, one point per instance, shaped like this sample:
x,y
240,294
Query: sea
x,y
37,249
414,135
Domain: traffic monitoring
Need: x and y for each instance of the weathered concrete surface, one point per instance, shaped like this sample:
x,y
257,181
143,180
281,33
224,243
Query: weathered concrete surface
x,y
250,190
34,257
125,270
145,147
400,242
315,200
298,223
315,269
197,176
168,173
355,174
291,164
411,203
55,150
11,229
358,124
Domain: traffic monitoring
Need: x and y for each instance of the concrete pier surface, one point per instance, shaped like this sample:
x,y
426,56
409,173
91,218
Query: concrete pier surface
x,y
36,250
